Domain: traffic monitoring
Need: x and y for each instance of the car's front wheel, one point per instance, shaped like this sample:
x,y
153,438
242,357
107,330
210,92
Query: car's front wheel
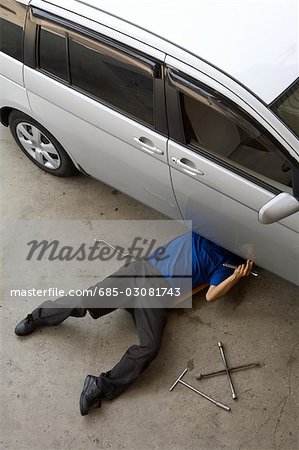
x,y
40,145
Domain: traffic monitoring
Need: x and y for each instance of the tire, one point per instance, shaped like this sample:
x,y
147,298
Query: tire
x,y
40,146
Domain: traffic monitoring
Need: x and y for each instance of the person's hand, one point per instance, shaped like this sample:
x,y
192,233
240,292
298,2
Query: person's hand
x,y
244,269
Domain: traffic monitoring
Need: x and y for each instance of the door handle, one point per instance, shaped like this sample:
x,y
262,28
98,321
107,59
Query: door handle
x,y
148,146
187,165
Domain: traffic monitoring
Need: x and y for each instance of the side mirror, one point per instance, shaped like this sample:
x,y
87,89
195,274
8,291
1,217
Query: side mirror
x,y
281,206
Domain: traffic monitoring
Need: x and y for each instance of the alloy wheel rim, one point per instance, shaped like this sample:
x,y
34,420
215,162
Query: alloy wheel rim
x,y
38,145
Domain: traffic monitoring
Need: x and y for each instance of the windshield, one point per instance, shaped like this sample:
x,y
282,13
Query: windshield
x,y
287,108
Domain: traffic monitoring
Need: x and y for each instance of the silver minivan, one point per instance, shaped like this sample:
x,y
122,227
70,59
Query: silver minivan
x,y
190,107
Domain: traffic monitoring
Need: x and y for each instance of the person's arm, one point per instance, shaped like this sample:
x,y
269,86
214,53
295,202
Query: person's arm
x,y
216,292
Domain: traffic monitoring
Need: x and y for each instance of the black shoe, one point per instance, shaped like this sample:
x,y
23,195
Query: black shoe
x,y
27,326
90,395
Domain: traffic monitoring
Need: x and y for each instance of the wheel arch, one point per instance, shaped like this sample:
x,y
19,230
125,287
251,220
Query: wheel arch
x,y
4,119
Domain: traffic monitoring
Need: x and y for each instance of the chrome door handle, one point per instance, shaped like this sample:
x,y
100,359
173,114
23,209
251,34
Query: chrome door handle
x,y
148,146
186,167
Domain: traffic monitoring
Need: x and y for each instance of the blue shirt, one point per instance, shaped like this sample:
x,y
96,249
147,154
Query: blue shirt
x,y
191,256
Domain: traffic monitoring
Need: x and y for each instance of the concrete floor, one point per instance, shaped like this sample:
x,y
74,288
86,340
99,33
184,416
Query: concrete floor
x,y
42,375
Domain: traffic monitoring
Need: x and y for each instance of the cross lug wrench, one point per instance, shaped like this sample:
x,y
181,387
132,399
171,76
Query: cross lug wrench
x,y
234,395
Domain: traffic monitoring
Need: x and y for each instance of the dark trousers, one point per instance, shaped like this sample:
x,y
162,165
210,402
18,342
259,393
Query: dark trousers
x,y
150,322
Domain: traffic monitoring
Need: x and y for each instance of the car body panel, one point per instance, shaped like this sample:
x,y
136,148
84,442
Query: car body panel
x,y
13,93
11,69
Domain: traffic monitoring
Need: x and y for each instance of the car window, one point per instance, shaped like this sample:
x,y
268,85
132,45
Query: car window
x,y
52,53
112,77
216,128
287,107
12,17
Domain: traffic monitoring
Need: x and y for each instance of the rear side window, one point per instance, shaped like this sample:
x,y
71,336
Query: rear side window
x,y
53,53
112,77
12,17
11,39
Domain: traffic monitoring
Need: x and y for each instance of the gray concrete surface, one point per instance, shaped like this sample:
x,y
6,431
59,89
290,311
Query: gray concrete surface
x,y
42,375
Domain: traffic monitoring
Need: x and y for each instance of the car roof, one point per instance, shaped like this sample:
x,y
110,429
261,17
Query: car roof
x,y
255,42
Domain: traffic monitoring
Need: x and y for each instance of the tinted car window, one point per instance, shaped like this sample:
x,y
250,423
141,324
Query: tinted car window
x,y
100,72
213,127
287,107
11,39
52,53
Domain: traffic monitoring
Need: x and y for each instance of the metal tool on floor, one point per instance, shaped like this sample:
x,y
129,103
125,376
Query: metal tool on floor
x,y
115,248
232,266
179,380
234,395
202,376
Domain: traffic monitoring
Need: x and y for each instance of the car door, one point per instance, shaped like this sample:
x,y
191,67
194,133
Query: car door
x,y
224,168
104,102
